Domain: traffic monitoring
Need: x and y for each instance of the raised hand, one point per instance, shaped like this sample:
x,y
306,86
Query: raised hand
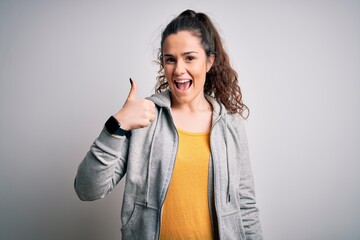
x,y
136,113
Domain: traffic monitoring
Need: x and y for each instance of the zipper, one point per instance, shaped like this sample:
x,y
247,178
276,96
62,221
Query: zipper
x,y
172,172
174,157
214,181
212,196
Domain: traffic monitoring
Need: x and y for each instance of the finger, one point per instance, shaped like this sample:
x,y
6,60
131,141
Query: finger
x,y
133,90
153,111
150,105
152,117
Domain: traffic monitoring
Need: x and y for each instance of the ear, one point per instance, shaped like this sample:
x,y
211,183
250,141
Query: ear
x,y
210,61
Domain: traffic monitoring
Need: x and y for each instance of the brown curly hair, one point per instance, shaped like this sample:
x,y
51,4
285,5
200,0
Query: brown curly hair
x,y
221,80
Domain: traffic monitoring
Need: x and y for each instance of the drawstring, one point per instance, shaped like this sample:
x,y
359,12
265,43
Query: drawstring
x,y
227,162
150,159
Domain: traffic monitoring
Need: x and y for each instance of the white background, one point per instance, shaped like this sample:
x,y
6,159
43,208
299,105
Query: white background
x,y
64,68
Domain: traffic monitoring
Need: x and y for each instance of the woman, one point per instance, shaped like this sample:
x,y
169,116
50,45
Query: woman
x,y
184,149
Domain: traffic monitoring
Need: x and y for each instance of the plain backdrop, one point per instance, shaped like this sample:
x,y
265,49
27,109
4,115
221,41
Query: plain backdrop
x,y
64,68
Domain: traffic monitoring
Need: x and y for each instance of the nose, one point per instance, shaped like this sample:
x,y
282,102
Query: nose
x,y
180,68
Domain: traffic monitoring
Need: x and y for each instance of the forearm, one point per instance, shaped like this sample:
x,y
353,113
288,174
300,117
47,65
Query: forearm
x,y
250,219
102,168
249,209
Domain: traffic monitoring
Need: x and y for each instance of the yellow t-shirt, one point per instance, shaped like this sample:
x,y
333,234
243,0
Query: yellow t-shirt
x,y
186,213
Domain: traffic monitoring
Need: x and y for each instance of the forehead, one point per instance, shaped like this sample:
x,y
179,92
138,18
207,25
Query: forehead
x,y
182,41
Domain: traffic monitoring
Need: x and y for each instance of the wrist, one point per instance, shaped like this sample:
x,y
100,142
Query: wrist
x,y
113,126
122,121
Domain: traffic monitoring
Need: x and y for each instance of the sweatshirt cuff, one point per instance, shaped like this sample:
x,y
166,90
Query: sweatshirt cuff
x,y
112,144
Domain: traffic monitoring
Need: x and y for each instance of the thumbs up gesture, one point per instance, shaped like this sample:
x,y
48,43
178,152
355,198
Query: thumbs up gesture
x,y
136,113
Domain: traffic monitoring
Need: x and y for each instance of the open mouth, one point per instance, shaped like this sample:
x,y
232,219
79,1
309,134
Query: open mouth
x,y
183,84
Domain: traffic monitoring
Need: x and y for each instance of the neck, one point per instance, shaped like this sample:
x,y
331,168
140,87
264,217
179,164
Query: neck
x,y
196,105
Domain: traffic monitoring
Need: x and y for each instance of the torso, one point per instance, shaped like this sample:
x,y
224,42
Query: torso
x,y
199,121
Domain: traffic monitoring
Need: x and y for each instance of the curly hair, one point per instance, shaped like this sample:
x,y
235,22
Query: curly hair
x,y
221,80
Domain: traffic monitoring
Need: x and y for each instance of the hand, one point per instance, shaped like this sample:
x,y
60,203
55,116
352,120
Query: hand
x,y
136,113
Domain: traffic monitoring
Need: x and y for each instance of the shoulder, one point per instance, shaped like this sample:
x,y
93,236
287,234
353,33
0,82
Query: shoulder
x,y
161,99
235,120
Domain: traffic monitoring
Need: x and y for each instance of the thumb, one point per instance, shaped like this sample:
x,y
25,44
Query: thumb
x,y
133,90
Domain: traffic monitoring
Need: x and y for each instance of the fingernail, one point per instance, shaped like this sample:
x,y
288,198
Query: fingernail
x,y
131,82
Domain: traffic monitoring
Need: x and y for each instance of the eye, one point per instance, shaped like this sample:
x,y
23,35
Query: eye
x,y
169,60
190,58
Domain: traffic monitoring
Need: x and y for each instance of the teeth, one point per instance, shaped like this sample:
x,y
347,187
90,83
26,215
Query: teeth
x,y
182,81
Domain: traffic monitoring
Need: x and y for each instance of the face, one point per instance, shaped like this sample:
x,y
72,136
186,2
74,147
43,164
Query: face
x,y
185,66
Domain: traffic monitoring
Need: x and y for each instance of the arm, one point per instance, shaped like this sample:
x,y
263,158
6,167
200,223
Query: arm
x,y
105,163
102,168
248,208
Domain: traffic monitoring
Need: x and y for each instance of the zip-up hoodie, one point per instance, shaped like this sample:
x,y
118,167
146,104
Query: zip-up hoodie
x,y
148,160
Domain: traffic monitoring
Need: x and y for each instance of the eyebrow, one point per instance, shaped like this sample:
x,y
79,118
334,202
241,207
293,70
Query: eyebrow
x,y
185,53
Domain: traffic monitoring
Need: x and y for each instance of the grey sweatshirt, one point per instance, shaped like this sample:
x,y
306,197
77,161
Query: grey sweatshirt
x,y
148,159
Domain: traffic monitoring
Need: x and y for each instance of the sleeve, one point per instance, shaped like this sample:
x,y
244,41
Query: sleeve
x,y
102,168
248,208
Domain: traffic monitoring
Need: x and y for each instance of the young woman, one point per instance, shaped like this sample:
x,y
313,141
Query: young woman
x,y
184,149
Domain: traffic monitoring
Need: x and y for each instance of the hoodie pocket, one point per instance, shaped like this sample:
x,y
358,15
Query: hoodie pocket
x,y
132,216
141,224
231,227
